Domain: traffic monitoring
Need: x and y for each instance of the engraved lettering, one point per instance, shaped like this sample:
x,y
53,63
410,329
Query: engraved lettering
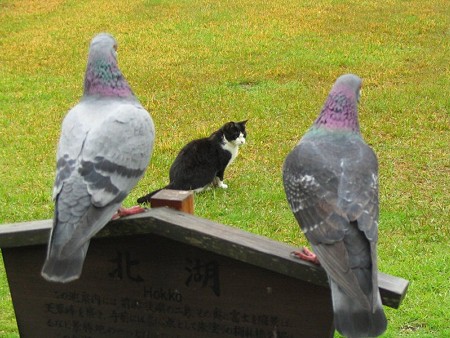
x,y
123,264
206,274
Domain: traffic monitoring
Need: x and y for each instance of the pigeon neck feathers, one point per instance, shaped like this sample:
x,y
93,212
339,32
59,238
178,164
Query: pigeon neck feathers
x,y
340,111
103,76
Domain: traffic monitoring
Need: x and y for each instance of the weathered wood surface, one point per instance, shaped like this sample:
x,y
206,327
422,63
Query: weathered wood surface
x,y
181,200
213,237
147,285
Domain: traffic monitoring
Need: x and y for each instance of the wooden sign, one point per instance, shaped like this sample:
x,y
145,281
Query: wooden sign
x,y
166,273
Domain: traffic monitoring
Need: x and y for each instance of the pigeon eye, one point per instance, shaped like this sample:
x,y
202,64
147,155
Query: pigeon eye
x,y
359,95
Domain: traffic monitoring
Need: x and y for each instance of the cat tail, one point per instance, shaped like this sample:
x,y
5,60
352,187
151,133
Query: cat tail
x,y
148,197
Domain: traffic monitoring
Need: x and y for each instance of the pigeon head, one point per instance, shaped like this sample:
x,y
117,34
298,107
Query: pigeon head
x,y
103,76
340,111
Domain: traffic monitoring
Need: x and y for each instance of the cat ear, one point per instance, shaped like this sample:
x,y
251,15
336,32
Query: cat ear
x,y
243,122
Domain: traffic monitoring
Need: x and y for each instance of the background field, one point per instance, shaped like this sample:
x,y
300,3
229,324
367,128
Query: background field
x,y
197,64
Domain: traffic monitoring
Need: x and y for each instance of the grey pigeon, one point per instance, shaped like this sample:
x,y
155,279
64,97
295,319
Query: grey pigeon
x,y
104,149
331,183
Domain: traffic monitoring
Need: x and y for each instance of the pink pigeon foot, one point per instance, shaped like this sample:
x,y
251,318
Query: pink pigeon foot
x,y
137,209
306,255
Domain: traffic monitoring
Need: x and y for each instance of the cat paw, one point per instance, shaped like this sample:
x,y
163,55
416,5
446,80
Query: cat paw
x,y
222,185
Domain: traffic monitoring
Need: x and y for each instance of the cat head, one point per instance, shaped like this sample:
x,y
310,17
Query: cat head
x,y
234,132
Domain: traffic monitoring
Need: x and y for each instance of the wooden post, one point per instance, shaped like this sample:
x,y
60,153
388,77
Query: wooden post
x,y
176,199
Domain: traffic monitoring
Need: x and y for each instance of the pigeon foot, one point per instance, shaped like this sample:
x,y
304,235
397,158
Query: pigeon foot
x,y
137,209
306,255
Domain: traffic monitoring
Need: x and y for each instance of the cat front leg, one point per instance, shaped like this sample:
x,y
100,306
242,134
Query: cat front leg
x,y
218,182
222,185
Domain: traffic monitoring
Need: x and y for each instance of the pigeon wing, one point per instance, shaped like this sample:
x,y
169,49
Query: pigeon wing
x,y
358,198
113,159
311,183
113,153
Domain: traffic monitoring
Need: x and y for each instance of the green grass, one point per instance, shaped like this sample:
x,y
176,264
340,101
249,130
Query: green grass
x,y
197,64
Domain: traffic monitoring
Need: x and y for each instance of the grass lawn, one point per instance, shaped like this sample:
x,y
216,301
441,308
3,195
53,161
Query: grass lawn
x,y
197,64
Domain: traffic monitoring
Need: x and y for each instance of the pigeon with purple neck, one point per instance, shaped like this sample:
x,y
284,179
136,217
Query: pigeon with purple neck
x,y
104,149
331,183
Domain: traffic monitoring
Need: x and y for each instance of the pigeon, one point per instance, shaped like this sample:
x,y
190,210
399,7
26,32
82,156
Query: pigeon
x,y
105,147
331,183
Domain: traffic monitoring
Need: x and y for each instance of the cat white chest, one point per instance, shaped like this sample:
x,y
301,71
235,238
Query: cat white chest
x,y
233,146
233,149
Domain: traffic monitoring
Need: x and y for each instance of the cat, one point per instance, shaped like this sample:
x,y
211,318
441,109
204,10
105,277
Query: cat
x,y
202,162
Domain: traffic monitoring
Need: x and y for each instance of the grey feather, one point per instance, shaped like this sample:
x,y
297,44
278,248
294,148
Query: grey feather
x,y
331,183
104,149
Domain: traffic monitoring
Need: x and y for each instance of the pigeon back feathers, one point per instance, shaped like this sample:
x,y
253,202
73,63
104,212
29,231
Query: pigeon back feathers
x,y
331,184
104,149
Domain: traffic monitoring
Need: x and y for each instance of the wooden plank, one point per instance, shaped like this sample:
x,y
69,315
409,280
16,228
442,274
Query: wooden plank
x,y
25,233
214,237
393,289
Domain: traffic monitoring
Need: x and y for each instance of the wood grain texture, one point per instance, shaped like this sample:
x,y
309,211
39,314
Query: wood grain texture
x,y
210,236
151,286
176,199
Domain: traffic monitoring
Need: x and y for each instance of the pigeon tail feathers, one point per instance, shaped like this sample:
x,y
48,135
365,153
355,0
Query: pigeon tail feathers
x,y
87,227
64,270
354,321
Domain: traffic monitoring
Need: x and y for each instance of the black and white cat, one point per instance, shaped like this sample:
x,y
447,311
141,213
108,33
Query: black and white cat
x,y
202,162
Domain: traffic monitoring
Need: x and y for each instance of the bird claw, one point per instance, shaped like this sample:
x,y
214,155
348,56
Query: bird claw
x,y
137,209
306,255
